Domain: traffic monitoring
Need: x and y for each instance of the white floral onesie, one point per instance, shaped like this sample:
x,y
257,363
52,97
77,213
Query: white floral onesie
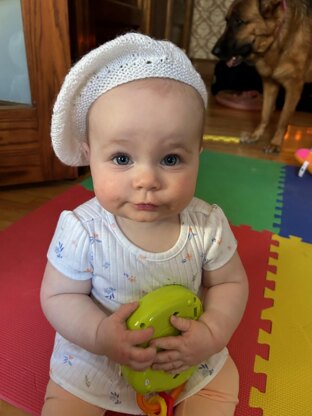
x,y
88,244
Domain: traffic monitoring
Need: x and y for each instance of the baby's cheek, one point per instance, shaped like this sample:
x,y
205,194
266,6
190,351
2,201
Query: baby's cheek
x,y
186,186
106,192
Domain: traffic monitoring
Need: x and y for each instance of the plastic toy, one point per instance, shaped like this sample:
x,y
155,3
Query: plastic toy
x,y
160,404
304,156
155,310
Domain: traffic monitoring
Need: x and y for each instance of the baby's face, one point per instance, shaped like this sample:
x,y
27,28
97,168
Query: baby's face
x,y
145,140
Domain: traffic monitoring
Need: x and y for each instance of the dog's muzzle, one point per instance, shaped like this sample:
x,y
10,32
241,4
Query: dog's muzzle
x,y
229,51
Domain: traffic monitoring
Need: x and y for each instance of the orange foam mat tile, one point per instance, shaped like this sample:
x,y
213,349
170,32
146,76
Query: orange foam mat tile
x,y
289,365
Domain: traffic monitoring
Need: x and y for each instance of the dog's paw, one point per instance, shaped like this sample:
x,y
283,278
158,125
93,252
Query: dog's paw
x,y
248,138
272,148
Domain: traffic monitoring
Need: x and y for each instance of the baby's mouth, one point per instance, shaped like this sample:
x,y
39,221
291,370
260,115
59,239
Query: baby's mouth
x,y
142,206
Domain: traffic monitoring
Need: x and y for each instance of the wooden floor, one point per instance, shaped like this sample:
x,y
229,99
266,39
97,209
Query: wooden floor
x,y
229,122
19,200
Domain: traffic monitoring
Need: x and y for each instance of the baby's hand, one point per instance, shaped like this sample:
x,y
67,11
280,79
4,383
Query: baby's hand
x,y
122,345
194,345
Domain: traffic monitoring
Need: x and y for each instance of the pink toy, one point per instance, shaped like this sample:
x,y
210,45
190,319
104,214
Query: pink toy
x,y
304,156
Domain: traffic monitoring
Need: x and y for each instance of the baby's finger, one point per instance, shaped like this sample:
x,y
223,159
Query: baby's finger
x,y
181,324
134,365
167,343
174,367
141,358
123,313
167,356
140,336
141,355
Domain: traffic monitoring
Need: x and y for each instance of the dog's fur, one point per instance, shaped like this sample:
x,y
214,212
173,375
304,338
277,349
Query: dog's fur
x,y
275,36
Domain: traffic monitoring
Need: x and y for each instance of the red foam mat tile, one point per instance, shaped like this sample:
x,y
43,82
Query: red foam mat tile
x,y
25,336
254,249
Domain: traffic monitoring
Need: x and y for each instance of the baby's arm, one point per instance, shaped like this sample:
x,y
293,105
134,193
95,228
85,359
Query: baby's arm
x,y
71,311
225,300
224,305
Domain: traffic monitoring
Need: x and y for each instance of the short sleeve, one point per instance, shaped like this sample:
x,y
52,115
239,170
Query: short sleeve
x,y
69,250
220,243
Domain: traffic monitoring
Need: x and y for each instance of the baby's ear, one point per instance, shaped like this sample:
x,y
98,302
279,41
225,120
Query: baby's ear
x,y
86,150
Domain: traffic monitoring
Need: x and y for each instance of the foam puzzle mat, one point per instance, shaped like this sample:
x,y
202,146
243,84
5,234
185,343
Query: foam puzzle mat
x,y
270,211
288,369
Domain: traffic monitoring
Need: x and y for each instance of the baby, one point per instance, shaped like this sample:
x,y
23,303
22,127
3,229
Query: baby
x,y
133,109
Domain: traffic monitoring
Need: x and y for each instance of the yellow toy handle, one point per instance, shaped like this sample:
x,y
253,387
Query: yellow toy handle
x,y
162,403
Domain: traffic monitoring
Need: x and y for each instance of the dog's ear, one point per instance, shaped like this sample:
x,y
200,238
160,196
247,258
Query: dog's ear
x,y
268,7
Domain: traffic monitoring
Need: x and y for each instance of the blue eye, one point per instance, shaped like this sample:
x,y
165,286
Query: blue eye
x,y
121,160
171,160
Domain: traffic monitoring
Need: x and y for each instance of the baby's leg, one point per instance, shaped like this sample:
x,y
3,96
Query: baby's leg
x,y
59,402
218,398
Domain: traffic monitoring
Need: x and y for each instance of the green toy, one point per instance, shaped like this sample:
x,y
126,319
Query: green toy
x,y
155,310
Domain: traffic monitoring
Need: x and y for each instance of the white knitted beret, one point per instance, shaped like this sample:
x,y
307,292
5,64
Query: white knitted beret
x,y
127,58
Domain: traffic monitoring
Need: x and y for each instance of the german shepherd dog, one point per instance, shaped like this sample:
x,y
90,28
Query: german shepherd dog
x,y
276,37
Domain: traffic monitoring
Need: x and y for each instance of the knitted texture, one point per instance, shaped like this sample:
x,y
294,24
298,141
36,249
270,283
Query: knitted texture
x,y
127,58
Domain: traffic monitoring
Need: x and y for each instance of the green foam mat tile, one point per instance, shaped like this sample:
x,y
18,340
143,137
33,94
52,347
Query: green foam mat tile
x,y
248,190
87,183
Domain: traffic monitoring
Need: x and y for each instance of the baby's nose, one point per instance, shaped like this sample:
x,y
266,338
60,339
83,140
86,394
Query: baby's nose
x,y
146,178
